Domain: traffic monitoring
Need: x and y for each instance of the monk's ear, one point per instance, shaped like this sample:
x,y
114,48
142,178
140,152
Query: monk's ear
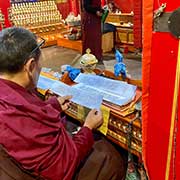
x,y
30,65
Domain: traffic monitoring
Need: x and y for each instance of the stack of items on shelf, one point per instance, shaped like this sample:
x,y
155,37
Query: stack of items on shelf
x,y
1,20
73,20
73,27
42,18
73,34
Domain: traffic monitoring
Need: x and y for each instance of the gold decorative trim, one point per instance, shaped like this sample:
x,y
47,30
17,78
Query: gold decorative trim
x,y
173,115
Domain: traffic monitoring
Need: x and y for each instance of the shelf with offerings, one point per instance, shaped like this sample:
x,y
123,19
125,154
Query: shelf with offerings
x,y
42,18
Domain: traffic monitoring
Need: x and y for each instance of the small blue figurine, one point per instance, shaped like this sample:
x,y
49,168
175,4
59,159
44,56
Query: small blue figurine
x,y
118,56
73,72
119,67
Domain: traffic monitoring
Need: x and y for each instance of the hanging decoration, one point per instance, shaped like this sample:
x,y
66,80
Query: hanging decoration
x,y
173,23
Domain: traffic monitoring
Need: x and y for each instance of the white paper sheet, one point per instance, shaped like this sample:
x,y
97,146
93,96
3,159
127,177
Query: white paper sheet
x,y
88,99
114,91
45,82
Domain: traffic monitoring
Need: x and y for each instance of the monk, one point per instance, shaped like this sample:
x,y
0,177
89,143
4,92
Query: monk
x,y
91,27
32,130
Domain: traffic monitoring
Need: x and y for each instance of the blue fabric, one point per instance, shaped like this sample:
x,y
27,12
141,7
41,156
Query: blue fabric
x,y
119,67
118,56
73,72
106,27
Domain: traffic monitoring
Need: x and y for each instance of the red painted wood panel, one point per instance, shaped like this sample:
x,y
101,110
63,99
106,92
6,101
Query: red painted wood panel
x,y
178,143
159,72
64,9
126,6
4,5
137,20
162,78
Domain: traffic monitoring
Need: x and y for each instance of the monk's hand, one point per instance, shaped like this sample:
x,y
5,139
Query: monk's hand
x,y
94,119
99,13
64,102
49,94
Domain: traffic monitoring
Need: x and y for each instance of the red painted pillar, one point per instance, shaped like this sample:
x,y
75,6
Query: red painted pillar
x,y
64,9
103,3
137,23
4,5
125,6
74,7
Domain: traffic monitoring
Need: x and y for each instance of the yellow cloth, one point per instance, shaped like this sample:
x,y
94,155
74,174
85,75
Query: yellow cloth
x,y
106,113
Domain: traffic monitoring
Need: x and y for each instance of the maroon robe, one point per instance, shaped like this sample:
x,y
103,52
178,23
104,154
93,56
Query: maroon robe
x,y
31,131
91,28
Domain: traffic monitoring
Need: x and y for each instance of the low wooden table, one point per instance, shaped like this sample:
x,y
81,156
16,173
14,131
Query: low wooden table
x,y
118,125
76,45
